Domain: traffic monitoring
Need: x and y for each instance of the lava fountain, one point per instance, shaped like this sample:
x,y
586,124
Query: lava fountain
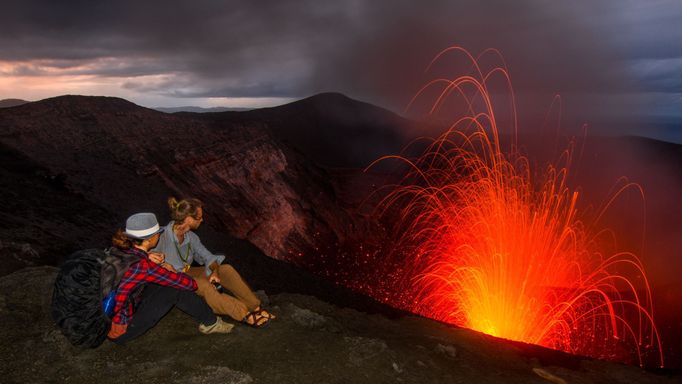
x,y
494,245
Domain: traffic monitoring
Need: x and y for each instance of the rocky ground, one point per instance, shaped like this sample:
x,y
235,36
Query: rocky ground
x,y
310,342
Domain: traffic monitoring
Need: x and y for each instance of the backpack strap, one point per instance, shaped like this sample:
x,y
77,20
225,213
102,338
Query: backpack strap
x,y
113,265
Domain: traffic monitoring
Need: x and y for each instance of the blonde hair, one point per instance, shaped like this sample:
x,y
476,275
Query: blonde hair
x,y
180,210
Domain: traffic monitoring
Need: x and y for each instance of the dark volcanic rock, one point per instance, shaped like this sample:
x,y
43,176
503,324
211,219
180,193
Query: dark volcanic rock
x,y
310,342
42,220
124,158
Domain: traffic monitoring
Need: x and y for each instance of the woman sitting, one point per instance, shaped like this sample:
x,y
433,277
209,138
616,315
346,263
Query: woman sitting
x,y
147,291
181,247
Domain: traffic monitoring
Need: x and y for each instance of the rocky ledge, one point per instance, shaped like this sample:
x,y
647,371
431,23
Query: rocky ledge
x,y
310,342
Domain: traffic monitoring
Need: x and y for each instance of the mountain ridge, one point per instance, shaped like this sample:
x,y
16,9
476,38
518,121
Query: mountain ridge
x,y
8,103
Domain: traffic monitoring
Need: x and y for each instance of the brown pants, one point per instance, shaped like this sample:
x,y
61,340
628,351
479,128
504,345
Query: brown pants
x,y
237,305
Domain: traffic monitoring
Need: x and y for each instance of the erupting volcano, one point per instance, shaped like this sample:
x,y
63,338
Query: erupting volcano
x,y
487,242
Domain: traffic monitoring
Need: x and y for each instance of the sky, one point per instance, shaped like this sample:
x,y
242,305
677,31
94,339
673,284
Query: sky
x,y
608,59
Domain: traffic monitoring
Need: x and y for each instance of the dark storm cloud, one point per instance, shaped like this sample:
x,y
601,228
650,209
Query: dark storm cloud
x,y
109,67
648,35
192,87
218,43
372,50
646,29
660,75
547,46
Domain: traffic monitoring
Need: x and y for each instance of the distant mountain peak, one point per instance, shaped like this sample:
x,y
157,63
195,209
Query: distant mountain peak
x,y
76,99
88,104
331,98
330,95
7,103
339,103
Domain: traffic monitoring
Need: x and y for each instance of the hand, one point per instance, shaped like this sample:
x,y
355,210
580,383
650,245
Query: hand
x,y
117,330
157,257
213,277
168,267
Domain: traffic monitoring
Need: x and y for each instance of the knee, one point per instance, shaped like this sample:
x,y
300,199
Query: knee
x,y
227,269
159,295
202,284
183,295
169,293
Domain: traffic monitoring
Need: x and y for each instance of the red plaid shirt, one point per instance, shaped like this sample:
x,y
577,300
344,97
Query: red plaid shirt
x,y
143,272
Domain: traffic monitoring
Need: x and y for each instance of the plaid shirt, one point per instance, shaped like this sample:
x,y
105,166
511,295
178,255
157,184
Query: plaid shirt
x,y
143,272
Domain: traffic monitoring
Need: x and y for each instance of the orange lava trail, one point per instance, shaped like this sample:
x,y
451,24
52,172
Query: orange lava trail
x,y
501,248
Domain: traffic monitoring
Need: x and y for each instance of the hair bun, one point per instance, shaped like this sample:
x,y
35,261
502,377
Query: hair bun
x,y
172,203
179,210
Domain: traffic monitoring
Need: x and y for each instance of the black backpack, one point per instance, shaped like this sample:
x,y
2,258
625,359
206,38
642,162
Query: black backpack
x,y
84,280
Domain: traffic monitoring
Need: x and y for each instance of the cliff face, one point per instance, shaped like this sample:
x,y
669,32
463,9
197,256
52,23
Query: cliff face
x,y
125,158
42,220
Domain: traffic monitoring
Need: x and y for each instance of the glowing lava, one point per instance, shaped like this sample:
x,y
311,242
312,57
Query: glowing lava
x,y
501,248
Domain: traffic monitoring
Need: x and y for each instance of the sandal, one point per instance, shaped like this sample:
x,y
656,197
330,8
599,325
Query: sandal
x,y
258,318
